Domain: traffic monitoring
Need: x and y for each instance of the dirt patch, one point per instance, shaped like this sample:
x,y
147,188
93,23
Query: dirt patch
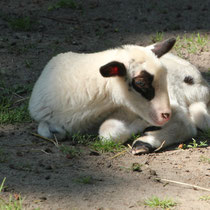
x,y
45,177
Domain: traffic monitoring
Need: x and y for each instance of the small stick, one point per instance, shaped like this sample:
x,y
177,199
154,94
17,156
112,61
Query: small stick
x,y
182,183
160,146
118,154
42,137
67,21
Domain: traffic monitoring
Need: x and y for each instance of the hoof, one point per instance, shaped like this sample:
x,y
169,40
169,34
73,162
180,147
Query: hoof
x,y
140,147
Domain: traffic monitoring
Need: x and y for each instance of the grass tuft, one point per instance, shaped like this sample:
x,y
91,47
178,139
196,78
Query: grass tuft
x,y
83,139
20,24
157,202
14,104
205,198
69,151
191,44
14,202
204,159
158,37
107,146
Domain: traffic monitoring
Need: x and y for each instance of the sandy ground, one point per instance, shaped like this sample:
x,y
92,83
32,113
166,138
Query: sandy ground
x,y
46,178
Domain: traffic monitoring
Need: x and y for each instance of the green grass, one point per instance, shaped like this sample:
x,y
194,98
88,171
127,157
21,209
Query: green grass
x,y
83,139
205,198
21,23
195,144
69,151
191,44
203,142
136,167
14,104
158,37
204,159
28,63
84,180
107,146
157,202
11,203
65,4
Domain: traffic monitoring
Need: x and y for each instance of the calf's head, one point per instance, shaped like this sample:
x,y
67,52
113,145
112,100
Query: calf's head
x,y
141,83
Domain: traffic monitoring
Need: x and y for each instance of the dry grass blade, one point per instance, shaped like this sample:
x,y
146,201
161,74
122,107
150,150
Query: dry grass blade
x,y
124,151
20,100
159,148
129,146
118,154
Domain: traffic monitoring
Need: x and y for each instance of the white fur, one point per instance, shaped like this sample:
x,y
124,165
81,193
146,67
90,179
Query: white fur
x,y
71,94
190,104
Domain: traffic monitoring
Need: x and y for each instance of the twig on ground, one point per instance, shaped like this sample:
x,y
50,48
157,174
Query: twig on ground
x,y
67,21
118,154
160,146
124,151
182,183
51,140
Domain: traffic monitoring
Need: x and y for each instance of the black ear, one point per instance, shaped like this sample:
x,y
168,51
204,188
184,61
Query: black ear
x,y
163,47
113,68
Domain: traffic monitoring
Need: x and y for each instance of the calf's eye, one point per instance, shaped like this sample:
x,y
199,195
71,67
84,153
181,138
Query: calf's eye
x,y
189,80
140,83
143,85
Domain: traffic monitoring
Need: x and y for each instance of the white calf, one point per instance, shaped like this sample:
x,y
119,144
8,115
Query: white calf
x,y
190,101
111,91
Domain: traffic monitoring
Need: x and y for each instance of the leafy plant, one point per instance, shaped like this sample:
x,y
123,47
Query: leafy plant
x,y
157,202
194,144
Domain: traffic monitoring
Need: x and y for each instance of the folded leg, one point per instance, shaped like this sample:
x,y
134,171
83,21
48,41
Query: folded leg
x,y
121,126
